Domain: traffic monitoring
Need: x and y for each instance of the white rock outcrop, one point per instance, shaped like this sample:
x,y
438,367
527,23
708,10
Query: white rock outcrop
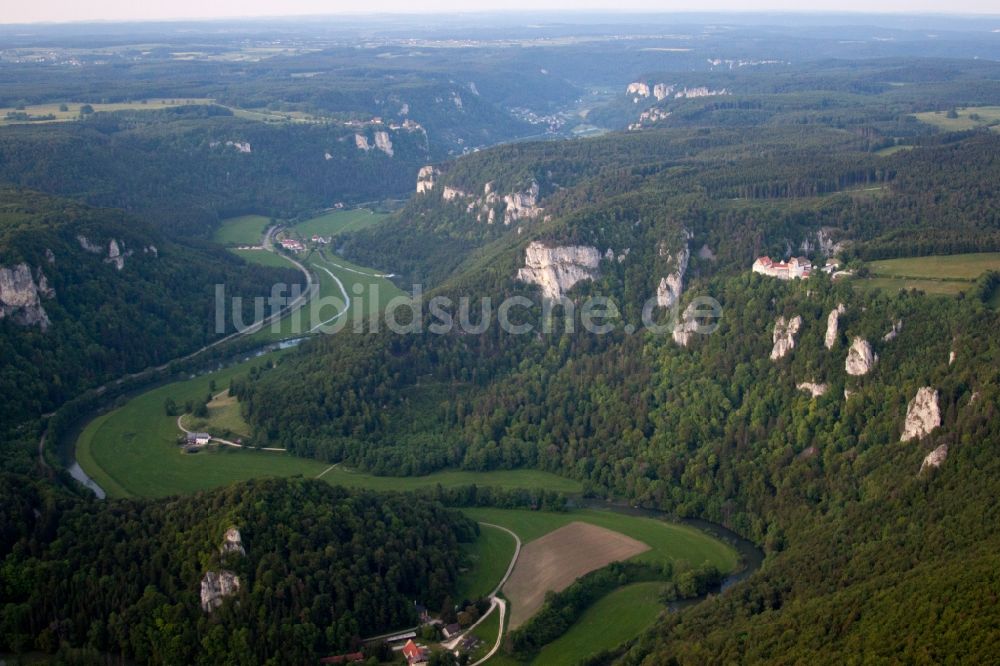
x,y
383,142
452,193
671,286
688,325
20,296
521,205
832,324
661,91
557,269
216,586
860,358
784,336
935,458
232,542
812,388
115,255
922,414
951,357
637,89
425,178
894,331
361,141
240,146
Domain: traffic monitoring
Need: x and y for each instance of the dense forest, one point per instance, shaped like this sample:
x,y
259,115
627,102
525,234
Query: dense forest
x,y
797,139
716,429
92,294
323,568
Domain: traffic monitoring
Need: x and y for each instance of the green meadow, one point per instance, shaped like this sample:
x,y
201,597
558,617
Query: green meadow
x,y
337,221
242,230
966,118
133,452
937,274
617,617
484,563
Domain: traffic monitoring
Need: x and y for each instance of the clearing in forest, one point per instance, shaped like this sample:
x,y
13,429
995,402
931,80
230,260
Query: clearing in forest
x,y
554,561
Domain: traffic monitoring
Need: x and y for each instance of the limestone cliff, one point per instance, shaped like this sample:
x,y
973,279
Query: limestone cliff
x,y
935,458
812,388
922,415
671,286
521,205
784,336
20,296
425,178
832,323
232,542
685,329
451,193
383,142
216,586
860,358
557,269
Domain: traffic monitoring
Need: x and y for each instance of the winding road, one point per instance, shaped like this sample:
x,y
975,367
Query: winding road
x,y
267,242
495,602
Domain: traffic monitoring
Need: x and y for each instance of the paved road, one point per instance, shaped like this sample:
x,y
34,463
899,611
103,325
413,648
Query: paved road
x,y
495,602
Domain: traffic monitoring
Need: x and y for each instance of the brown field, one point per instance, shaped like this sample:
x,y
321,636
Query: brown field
x,y
554,561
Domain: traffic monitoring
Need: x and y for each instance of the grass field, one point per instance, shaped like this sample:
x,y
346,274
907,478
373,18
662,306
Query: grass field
x,y
338,221
939,274
610,621
132,451
964,121
551,563
484,563
487,634
224,418
242,230
614,619
73,108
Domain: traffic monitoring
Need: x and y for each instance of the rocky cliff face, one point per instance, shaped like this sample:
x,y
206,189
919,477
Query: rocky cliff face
x,y
425,178
115,253
935,458
216,586
784,336
521,205
232,542
557,269
685,329
670,287
20,296
452,193
832,324
383,142
813,389
922,415
860,358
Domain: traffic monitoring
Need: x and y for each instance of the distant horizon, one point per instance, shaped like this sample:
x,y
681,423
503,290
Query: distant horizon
x,y
118,11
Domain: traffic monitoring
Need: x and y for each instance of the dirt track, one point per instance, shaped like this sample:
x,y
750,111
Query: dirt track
x,y
555,560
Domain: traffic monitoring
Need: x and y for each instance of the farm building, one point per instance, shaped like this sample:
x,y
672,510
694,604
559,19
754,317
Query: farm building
x,y
451,630
198,438
414,653
796,267
292,244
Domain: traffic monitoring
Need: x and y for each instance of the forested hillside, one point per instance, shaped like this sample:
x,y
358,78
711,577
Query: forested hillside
x,y
184,169
795,450
323,567
91,294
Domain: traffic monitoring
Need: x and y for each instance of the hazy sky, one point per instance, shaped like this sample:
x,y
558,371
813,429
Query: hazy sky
x,y
23,11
